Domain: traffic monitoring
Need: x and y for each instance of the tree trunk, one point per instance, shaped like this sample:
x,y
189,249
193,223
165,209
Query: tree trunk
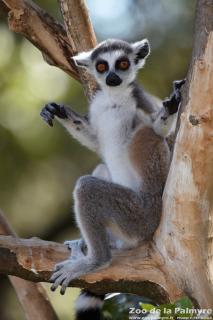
x,y
179,260
185,234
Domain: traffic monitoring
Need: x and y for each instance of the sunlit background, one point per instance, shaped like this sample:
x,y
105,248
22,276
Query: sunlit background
x,y
38,164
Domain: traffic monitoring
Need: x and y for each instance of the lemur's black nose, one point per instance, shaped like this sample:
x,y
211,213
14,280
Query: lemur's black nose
x,y
113,80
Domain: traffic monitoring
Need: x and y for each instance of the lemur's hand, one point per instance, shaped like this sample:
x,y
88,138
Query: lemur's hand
x,y
171,104
51,110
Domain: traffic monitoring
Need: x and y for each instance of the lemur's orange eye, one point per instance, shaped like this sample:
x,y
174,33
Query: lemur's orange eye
x,y
102,66
124,65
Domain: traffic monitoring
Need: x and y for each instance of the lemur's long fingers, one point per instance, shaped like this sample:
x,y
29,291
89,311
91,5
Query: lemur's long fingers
x,y
172,103
52,107
65,284
47,116
177,92
58,281
177,84
51,110
55,275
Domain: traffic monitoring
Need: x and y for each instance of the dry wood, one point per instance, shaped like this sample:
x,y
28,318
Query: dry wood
x,y
48,35
81,35
185,234
142,269
32,296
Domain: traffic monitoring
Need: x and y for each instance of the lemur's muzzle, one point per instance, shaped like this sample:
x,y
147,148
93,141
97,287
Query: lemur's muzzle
x,y
113,80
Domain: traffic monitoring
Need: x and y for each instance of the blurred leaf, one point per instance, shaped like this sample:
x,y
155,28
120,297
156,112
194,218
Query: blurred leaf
x,y
146,306
184,302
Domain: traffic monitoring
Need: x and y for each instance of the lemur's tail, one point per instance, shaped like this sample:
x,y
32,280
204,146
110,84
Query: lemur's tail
x,y
88,306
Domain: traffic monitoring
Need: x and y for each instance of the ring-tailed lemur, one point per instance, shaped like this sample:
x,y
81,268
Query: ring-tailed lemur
x,y
119,204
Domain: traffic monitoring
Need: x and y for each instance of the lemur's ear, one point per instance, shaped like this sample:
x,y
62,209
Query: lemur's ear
x,y
141,50
83,59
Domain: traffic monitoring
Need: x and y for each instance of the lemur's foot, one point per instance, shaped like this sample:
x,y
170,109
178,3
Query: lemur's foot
x,y
51,110
172,103
77,247
68,270
64,272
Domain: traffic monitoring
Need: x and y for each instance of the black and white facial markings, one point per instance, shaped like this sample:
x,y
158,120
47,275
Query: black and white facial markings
x,y
114,62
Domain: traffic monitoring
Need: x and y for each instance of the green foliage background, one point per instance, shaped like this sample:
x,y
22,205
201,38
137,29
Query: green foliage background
x,y
39,165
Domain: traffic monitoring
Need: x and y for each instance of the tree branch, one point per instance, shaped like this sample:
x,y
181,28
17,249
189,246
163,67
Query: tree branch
x,y
81,35
136,271
48,35
32,296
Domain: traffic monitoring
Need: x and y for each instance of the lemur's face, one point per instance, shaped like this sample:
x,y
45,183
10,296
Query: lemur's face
x,y
114,63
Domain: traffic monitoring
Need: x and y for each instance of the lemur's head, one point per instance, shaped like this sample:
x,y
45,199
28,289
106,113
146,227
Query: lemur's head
x,y
114,63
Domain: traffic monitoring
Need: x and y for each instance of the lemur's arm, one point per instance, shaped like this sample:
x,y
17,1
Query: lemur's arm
x,y
77,125
165,120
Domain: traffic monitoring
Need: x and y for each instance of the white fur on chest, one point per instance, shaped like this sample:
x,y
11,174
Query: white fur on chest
x,y
112,118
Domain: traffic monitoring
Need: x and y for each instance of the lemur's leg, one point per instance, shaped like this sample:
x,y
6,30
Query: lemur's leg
x,y
78,247
102,172
100,205
166,119
78,126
